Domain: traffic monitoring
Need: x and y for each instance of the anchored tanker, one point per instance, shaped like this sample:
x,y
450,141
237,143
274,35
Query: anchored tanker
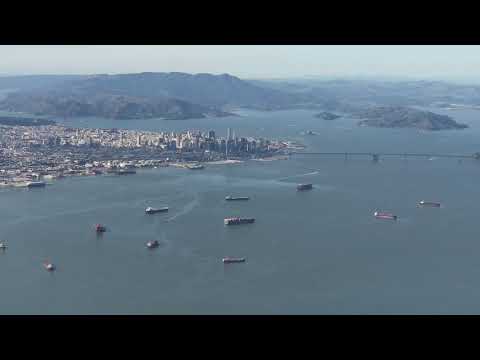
x,y
302,187
232,198
429,203
231,260
150,210
238,221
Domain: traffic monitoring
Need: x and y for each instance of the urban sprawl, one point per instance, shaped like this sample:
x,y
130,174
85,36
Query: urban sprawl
x,y
30,154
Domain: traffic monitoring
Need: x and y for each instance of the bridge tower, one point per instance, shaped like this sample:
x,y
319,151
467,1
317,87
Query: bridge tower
x,y
375,157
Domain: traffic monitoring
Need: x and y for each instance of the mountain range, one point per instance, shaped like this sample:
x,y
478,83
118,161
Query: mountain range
x,y
144,95
178,95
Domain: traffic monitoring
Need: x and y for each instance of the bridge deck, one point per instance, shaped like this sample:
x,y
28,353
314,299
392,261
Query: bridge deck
x,y
385,154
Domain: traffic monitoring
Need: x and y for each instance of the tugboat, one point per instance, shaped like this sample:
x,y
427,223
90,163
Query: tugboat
x,y
384,215
153,244
429,203
3,246
232,198
48,266
238,221
99,228
303,187
230,260
150,210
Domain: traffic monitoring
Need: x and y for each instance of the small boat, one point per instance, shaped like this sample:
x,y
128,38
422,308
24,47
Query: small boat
x,y
3,246
49,266
384,215
153,244
232,198
429,203
302,187
150,210
229,260
100,228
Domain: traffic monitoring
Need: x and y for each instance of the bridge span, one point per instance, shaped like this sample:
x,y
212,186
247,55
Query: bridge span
x,y
376,156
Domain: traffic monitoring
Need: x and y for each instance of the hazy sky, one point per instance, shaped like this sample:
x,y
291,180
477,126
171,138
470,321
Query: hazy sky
x,y
448,62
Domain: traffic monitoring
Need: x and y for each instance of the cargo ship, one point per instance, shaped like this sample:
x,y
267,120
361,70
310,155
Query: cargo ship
x,y
3,246
150,210
99,228
238,221
302,187
429,203
233,198
384,215
153,244
229,260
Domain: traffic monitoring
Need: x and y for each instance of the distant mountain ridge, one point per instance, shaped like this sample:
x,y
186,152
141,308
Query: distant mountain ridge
x,y
105,105
147,95
204,89
177,95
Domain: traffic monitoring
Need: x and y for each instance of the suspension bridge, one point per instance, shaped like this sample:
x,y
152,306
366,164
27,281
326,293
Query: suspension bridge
x,y
377,156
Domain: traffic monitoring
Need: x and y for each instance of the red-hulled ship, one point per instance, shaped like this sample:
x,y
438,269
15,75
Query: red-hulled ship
x,y
384,215
100,228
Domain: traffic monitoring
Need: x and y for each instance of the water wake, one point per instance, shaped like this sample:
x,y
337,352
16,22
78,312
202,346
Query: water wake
x,y
298,175
186,209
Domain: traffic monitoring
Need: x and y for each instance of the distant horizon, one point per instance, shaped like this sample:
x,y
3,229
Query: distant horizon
x,y
452,63
306,77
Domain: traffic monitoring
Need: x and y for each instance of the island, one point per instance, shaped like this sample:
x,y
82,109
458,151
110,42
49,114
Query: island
x,y
327,116
405,117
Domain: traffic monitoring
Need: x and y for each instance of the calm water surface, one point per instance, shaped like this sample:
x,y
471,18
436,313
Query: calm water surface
x,y
317,252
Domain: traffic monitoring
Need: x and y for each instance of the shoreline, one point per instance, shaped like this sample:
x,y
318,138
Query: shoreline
x,y
50,179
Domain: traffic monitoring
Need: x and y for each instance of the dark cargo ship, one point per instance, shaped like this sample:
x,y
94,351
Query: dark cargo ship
x,y
429,203
233,198
231,260
303,187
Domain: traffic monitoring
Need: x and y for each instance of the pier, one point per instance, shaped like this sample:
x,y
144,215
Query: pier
x,y
376,156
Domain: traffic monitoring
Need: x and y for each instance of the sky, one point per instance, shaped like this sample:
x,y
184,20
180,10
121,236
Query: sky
x,y
249,61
